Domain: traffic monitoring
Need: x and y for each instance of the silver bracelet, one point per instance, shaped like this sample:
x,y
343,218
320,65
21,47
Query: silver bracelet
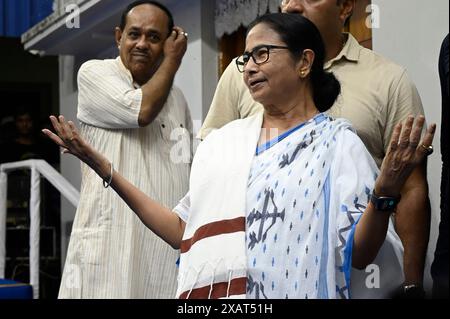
x,y
107,183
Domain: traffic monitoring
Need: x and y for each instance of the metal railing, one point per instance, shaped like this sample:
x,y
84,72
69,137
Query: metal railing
x,y
38,168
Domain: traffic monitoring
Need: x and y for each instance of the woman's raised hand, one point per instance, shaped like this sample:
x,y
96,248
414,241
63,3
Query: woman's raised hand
x,y
67,136
69,139
406,151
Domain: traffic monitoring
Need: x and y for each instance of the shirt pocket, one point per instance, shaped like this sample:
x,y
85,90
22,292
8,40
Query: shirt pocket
x,y
178,139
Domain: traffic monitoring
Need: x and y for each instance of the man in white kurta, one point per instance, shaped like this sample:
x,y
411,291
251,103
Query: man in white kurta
x,y
111,253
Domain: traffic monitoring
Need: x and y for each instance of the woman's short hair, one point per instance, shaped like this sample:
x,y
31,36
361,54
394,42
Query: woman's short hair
x,y
298,33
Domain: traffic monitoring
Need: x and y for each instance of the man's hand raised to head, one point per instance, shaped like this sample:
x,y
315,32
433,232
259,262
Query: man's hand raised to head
x,y
156,90
176,45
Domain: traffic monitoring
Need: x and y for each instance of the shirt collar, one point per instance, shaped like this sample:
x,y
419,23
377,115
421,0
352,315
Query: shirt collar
x,y
126,72
350,51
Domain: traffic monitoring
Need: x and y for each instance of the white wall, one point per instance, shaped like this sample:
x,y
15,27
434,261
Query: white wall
x,y
410,33
197,76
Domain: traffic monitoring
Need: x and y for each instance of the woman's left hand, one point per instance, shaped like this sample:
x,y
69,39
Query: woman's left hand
x,y
406,151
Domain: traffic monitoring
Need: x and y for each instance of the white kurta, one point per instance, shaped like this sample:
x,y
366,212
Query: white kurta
x,y
111,253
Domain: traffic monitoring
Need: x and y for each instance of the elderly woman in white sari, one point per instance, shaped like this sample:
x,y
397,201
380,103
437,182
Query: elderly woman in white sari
x,y
284,203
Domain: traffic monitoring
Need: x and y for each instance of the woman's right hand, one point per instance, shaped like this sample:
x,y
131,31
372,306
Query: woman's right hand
x,y
69,139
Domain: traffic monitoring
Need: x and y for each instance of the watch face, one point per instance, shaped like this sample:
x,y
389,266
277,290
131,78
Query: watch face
x,y
389,203
384,203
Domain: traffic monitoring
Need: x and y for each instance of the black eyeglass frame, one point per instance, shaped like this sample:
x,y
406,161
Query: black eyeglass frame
x,y
242,60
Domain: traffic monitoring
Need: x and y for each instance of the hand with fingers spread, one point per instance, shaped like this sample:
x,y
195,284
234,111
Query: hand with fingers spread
x,y
161,220
69,139
405,153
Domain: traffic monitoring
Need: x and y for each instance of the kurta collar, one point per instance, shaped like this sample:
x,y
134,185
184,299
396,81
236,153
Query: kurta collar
x,y
350,52
126,72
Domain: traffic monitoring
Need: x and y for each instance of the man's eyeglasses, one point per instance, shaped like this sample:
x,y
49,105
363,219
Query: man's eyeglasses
x,y
259,54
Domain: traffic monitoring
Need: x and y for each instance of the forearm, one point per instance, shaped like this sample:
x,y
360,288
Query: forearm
x,y
161,220
157,218
156,91
412,224
370,234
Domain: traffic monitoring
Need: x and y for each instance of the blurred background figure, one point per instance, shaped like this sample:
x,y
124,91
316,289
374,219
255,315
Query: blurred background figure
x,y
439,269
21,140
24,141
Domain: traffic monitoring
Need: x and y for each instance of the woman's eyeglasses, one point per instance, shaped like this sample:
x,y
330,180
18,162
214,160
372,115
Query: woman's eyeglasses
x,y
260,55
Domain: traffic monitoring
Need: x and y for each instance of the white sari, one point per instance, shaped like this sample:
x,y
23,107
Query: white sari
x,y
305,195
279,224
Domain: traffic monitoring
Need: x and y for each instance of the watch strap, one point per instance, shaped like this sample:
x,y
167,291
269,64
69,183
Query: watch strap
x,y
384,203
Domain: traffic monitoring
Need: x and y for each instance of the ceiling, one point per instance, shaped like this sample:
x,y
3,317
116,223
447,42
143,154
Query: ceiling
x,y
93,38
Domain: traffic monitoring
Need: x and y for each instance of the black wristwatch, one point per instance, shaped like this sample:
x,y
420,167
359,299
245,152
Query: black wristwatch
x,y
384,203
